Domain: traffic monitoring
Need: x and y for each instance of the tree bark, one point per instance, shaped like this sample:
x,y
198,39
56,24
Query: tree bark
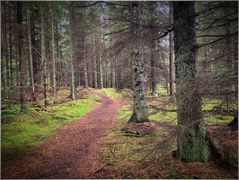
x,y
20,57
140,109
95,63
85,72
30,55
101,71
53,56
151,6
43,60
73,90
10,43
193,141
171,81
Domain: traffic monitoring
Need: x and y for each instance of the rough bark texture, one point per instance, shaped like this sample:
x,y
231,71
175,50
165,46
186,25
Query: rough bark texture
x,y
140,109
193,141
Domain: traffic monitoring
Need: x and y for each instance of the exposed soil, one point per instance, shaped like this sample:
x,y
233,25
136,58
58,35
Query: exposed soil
x,y
73,151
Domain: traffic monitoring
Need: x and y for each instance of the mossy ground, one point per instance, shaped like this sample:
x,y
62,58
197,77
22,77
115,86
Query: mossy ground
x,y
111,92
24,131
144,157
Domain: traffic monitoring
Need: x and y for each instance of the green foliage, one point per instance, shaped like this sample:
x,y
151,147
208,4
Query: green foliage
x,y
111,92
26,130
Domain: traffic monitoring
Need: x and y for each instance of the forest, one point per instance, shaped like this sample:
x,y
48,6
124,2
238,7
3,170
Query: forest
x,y
119,89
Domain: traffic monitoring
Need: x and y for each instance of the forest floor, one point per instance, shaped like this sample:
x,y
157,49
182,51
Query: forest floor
x,y
73,150
101,144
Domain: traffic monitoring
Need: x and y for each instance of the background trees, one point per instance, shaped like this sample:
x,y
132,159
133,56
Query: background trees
x,y
97,44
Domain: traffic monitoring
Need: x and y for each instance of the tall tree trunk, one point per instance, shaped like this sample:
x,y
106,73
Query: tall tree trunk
x,y
53,56
10,43
95,64
171,81
101,71
89,72
193,140
140,109
5,52
73,90
85,71
7,55
30,54
151,6
43,60
20,57
3,36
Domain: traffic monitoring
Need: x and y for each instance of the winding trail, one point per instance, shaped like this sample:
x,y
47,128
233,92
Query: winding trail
x,y
73,151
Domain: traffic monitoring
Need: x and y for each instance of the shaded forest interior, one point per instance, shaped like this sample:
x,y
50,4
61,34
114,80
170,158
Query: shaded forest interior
x,y
172,65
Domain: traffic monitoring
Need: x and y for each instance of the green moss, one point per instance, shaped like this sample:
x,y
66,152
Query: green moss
x,y
162,91
91,96
193,144
111,92
30,129
217,119
124,115
161,116
208,104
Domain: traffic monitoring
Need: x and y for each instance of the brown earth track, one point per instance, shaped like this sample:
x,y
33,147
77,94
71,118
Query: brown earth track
x,y
73,151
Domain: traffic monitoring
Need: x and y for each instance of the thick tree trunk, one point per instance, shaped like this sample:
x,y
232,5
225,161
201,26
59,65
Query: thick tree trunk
x,y
20,57
30,55
53,57
95,63
193,141
140,109
43,60
73,90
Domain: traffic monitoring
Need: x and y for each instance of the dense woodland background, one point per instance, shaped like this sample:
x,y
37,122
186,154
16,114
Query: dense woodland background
x,y
188,52
46,45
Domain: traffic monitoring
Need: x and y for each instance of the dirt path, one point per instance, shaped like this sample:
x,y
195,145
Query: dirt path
x,y
73,151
